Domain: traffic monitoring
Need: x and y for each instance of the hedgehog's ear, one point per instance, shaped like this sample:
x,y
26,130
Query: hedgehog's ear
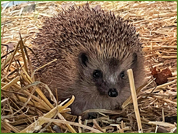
x,y
83,59
134,56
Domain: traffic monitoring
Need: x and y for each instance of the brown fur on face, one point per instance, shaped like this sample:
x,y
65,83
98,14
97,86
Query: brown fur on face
x,y
86,41
90,95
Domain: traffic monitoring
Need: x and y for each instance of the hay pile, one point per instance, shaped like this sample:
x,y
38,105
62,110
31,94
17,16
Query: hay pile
x,y
24,108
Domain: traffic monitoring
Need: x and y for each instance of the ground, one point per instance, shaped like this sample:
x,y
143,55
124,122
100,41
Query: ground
x,y
156,23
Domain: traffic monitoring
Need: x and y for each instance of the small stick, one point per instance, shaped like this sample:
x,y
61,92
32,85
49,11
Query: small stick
x,y
134,98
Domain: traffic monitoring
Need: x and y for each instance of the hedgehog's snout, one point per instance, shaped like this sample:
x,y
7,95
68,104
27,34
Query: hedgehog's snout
x,y
112,92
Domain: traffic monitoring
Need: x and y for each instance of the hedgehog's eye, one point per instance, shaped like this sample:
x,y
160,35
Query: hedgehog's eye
x,y
97,74
84,59
122,75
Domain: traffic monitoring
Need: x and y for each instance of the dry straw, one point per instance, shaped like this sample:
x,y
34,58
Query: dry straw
x,y
24,106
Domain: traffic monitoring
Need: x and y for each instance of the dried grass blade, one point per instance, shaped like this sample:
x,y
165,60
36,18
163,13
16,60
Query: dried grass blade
x,y
9,126
39,91
13,54
3,64
162,86
37,124
11,83
71,123
165,124
134,98
97,126
34,103
32,76
129,100
22,47
68,125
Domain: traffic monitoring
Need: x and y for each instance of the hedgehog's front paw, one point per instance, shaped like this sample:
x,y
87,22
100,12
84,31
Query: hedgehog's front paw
x,y
90,115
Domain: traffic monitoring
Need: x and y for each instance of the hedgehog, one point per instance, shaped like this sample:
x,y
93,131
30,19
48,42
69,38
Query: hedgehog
x,y
94,49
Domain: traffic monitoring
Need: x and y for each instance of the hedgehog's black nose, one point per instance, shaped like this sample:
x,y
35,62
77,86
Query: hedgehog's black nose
x,y
112,92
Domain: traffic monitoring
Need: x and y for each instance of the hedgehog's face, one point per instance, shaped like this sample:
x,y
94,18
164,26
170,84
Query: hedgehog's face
x,y
109,76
